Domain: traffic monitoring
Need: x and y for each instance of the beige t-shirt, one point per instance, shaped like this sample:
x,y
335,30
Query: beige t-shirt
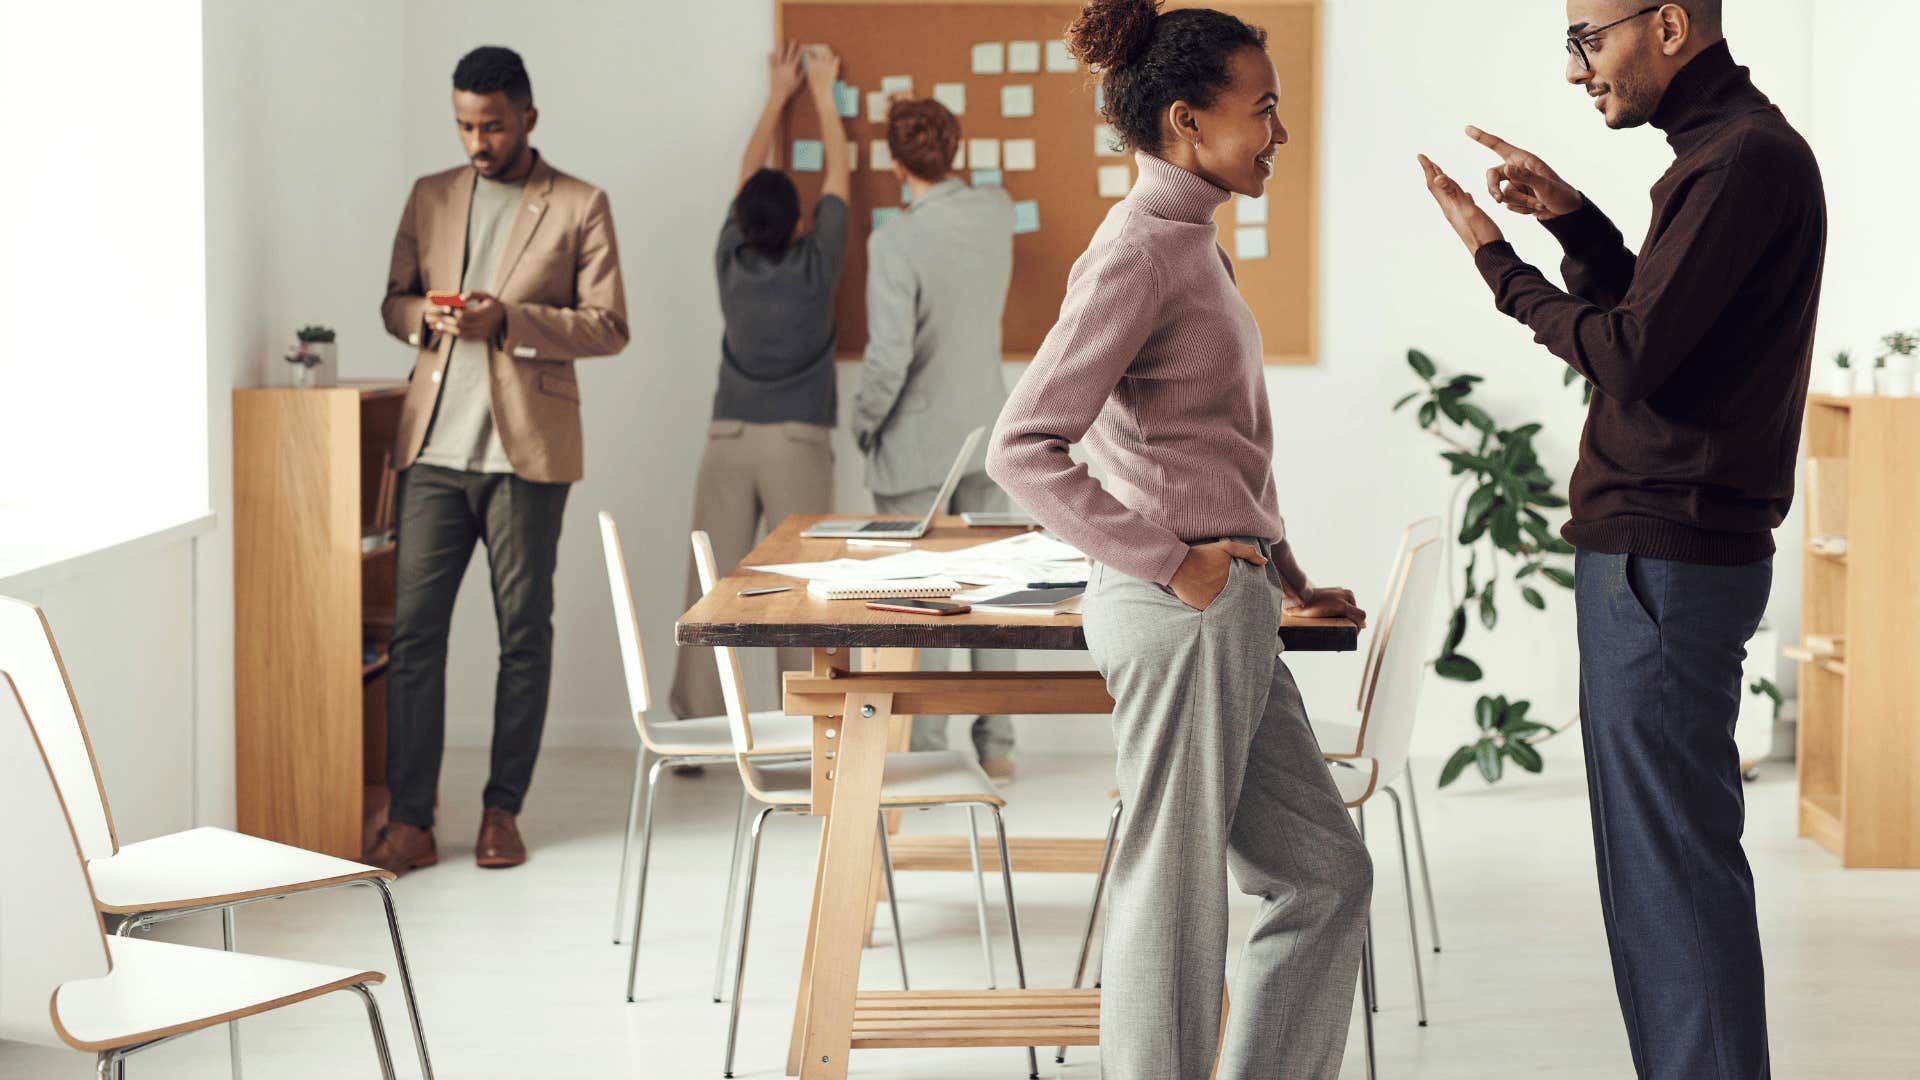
x,y
462,435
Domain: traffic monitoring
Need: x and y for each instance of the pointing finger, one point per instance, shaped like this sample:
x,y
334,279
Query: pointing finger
x,y
1489,140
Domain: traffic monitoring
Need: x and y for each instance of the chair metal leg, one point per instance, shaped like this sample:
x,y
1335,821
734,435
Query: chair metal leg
x,y
1360,815
893,902
406,979
103,1066
733,884
1413,928
626,843
1368,1005
980,895
746,924
379,1030
1013,923
1420,849
1093,909
640,889
233,1028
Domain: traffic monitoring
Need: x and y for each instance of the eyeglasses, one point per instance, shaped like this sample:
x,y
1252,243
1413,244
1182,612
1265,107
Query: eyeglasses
x,y
1576,43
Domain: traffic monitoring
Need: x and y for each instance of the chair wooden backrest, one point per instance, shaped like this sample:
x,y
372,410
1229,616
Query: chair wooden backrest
x,y
1406,637
732,686
28,653
50,930
626,625
1427,528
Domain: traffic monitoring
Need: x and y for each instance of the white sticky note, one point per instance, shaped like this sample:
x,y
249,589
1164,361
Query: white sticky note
x,y
1100,100
1059,59
1016,155
960,157
879,155
1250,242
1016,100
876,107
1023,57
1106,142
1115,180
989,58
853,157
809,155
896,84
1250,211
953,95
984,153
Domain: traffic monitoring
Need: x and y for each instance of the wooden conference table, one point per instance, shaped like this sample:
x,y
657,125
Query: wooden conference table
x,y
856,719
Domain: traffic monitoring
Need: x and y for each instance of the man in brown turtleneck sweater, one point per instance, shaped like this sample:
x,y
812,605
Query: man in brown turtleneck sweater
x,y
1697,349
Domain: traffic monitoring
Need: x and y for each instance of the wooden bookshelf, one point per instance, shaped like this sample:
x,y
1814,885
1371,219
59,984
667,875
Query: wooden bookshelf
x,y
1859,726
309,598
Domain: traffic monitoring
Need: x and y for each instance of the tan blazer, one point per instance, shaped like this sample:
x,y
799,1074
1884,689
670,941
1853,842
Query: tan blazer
x,y
559,279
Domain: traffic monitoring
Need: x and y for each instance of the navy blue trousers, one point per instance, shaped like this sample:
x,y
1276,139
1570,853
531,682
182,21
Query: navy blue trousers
x,y
1660,650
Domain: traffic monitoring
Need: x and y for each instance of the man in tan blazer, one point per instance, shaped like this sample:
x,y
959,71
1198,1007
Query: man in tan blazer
x,y
489,437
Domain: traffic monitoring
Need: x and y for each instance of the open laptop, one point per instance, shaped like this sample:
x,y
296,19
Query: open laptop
x,y
904,528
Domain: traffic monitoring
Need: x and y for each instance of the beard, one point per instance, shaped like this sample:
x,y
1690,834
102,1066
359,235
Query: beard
x,y
491,167
1635,94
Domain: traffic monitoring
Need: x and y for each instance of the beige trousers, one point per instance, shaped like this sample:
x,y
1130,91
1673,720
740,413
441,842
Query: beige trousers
x,y
752,476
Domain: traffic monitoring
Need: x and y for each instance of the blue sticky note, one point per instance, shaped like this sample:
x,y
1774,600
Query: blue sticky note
x,y
906,194
808,155
884,214
1026,217
848,99
987,178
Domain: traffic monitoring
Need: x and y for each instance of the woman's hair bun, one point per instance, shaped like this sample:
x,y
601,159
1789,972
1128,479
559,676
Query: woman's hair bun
x,y
1112,33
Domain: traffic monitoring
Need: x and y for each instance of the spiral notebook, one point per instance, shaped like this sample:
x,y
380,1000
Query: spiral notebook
x,y
877,590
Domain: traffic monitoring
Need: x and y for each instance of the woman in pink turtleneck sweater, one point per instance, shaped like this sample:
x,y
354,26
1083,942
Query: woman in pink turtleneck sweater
x,y
1156,365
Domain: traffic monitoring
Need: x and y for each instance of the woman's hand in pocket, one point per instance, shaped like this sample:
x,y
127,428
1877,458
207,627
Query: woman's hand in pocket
x,y
1203,573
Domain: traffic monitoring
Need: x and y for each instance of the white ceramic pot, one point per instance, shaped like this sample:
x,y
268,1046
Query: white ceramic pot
x,y
1839,381
1896,384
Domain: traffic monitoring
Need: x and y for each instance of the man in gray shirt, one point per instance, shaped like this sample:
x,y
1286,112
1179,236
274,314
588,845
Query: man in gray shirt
x,y
937,281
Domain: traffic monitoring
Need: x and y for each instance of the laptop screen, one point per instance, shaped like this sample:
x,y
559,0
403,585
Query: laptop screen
x,y
954,474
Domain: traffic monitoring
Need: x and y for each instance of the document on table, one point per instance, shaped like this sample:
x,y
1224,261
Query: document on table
x,y
1022,558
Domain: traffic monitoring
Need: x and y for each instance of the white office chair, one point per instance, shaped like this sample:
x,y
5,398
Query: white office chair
x,y
912,780
1392,696
701,741
65,983
1343,735
195,872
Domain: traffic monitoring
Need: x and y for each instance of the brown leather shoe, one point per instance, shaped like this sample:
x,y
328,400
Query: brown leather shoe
x,y
401,848
998,769
499,844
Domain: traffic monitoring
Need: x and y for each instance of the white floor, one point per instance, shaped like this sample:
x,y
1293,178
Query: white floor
x,y
519,978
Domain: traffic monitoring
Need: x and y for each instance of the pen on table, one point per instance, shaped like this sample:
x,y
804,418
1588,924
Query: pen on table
x,y
879,543
765,591
1056,584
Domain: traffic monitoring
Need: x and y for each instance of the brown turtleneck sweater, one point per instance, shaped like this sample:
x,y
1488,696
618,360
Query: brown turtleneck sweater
x,y
1698,348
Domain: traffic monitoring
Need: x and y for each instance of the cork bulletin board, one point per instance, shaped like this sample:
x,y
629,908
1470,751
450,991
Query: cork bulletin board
x,y
933,43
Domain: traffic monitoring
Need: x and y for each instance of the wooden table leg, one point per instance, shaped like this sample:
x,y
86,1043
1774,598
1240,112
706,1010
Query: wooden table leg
x,y
825,661
899,738
846,862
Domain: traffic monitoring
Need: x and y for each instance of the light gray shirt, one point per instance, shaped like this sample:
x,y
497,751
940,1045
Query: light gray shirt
x,y
462,435
937,281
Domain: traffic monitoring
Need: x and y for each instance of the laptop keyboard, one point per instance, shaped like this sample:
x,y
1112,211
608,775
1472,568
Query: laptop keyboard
x,y
890,525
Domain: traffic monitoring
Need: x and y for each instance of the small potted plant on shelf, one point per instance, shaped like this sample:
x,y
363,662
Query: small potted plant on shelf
x,y
1897,363
313,349
1840,375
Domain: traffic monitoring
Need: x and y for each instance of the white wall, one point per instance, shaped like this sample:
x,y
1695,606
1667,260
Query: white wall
x,y
653,106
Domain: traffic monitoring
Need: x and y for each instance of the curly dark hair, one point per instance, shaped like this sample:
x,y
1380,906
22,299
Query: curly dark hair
x,y
923,136
493,69
766,210
1149,60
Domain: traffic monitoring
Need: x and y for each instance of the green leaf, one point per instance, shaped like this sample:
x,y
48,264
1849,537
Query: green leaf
x,y
1455,765
1524,431
1474,530
1458,668
1523,755
1404,400
1450,405
1480,502
1506,529
1422,366
1517,712
1467,462
1557,546
1486,713
1532,596
1547,499
1488,616
1427,412
1527,570
1521,728
1559,577
1477,416
1456,630
1488,757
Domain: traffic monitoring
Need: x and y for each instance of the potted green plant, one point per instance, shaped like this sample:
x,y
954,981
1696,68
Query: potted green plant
x,y
1897,363
313,359
1840,375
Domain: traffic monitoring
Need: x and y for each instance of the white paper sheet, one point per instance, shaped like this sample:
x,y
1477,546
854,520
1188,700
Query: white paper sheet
x,y
1016,100
1059,59
989,58
953,95
1017,155
1115,181
1250,211
1023,57
984,153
